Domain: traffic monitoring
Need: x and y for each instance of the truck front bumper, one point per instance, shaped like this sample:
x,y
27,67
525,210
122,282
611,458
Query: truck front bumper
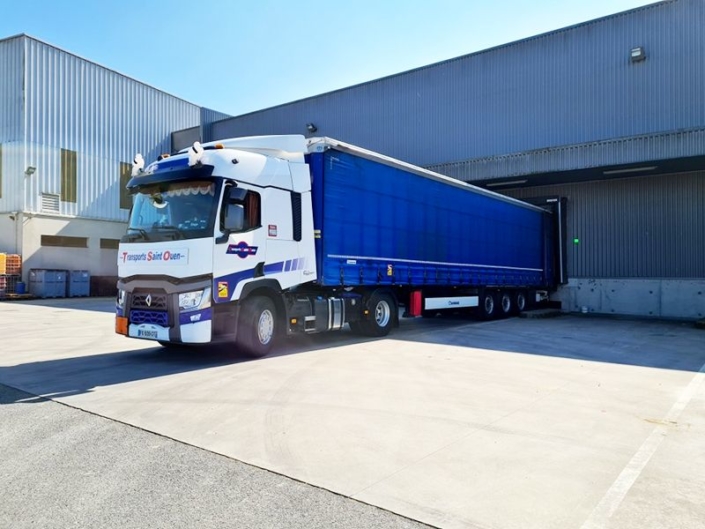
x,y
151,312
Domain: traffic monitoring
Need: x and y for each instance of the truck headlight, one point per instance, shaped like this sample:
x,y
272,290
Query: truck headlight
x,y
121,299
198,299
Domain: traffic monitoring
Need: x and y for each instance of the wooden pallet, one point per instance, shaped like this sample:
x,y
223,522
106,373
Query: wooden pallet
x,y
13,296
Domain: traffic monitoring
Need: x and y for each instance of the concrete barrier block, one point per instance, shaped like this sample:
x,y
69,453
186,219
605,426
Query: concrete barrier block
x,y
682,298
633,297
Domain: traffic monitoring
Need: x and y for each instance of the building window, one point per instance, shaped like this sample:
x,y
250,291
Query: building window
x,y
68,175
64,241
109,244
125,175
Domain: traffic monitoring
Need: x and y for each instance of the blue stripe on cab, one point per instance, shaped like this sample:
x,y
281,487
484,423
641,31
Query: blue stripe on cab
x,y
195,316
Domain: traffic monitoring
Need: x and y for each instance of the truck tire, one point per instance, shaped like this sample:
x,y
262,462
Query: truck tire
x,y
505,303
520,301
381,317
258,326
488,306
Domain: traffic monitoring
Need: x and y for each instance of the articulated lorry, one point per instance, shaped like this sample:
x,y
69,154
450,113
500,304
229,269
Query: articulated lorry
x,y
247,240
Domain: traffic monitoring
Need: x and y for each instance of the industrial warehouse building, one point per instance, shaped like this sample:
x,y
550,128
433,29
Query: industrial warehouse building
x,y
69,130
603,122
608,115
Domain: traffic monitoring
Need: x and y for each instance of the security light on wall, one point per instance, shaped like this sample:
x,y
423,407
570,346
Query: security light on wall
x,y
311,127
30,171
637,54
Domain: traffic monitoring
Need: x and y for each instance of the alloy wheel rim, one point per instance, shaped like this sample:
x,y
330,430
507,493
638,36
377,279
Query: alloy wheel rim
x,y
382,313
489,304
265,327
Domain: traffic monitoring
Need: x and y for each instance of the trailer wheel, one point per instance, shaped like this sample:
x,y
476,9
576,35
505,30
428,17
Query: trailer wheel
x,y
520,301
505,303
381,317
488,306
258,327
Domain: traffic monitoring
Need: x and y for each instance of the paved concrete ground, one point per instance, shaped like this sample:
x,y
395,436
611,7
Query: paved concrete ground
x,y
568,422
62,467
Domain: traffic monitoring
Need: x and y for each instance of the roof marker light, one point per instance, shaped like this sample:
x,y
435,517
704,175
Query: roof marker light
x,y
163,156
137,164
219,146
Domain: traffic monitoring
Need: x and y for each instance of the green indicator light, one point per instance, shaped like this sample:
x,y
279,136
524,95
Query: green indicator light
x,y
576,241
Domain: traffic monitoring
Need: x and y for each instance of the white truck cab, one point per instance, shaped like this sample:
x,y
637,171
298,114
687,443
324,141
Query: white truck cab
x,y
207,226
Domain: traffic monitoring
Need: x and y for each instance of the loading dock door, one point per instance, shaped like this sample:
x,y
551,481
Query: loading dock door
x,y
557,206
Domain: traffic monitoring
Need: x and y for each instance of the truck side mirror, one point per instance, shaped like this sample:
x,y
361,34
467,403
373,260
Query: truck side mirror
x,y
234,218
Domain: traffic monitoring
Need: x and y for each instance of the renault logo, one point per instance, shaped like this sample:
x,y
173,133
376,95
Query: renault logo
x,y
148,299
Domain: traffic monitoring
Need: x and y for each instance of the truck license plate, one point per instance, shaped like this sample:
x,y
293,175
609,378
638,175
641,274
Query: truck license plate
x,y
147,331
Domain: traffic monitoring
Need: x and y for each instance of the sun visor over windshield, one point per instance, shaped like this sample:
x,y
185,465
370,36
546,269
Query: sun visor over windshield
x,y
169,171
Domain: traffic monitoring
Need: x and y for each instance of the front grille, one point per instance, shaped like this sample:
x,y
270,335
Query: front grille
x,y
149,316
156,301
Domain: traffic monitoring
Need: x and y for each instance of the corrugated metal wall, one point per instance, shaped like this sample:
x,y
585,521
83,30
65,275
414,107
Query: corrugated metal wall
x,y
104,116
184,138
651,227
636,149
11,81
572,86
11,132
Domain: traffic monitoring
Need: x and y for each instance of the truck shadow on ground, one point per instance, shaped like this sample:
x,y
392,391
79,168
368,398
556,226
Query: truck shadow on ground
x,y
64,377
650,344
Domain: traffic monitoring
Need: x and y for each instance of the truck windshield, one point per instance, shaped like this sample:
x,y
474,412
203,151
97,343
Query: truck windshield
x,y
171,211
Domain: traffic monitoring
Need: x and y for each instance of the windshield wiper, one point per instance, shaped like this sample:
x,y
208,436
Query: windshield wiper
x,y
171,227
142,232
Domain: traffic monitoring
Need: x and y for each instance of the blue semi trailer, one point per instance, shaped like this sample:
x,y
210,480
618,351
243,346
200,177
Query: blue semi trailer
x,y
249,239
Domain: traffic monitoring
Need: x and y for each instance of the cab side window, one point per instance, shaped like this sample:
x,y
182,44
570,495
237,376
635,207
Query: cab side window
x,y
242,211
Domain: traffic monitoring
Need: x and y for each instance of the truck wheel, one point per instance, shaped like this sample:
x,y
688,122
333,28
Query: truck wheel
x,y
257,329
520,301
505,303
381,315
488,306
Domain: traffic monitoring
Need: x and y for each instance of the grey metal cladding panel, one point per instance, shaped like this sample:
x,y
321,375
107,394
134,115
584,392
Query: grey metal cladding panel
x,y
105,117
11,82
571,86
651,227
11,127
79,105
184,138
636,149
210,116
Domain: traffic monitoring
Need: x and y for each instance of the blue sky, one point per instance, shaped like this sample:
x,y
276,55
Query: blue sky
x,y
241,56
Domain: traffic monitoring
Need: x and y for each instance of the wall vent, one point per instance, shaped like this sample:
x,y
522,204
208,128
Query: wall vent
x,y
50,203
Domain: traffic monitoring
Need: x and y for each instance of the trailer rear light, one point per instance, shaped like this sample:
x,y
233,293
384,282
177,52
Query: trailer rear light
x,y
121,325
415,303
